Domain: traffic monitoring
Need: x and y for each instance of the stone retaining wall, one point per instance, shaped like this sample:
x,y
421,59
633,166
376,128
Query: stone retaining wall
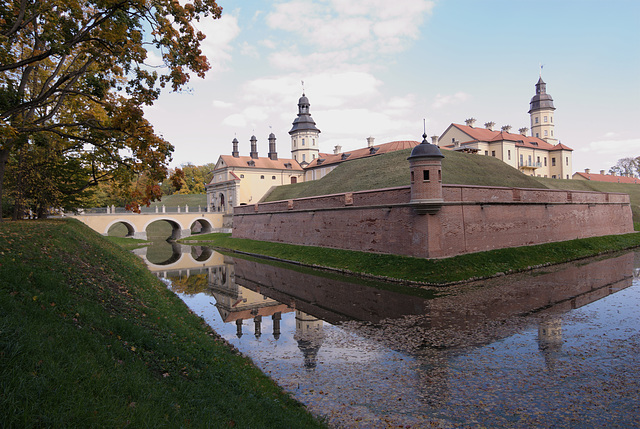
x,y
472,219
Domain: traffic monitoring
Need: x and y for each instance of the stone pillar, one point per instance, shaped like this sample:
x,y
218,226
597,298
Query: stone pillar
x,y
425,165
186,208
164,209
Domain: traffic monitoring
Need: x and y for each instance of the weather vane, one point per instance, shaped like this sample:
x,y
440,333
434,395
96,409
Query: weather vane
x,y
302,86
541,65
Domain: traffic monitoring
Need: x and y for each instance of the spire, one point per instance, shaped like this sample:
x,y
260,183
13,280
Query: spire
x,y
304,121
541,100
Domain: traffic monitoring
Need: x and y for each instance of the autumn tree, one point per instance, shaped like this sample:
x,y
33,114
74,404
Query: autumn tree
x,y
73,84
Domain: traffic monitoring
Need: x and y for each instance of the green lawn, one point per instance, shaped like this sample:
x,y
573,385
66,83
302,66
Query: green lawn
x,y
429,271
90,338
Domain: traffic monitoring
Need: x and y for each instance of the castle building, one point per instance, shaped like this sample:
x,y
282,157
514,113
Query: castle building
x,y
539,154
241,180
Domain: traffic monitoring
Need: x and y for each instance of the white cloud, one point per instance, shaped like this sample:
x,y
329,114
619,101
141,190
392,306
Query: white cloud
x,y
217,46
249,50
357,29
235,120
219,104
444,100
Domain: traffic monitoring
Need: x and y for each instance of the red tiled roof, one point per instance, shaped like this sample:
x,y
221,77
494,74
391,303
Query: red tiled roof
x,y
560,146
486,135
325,159
247,161
608,178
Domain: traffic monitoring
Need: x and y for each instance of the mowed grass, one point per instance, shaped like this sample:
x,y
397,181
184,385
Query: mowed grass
x,y
392,169
90,338
430,271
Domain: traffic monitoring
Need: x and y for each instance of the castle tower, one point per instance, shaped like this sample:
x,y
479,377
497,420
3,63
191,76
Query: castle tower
x,y
234,152
425,164
305,137
541,113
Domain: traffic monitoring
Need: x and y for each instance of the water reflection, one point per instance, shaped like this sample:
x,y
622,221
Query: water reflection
x,y
535,349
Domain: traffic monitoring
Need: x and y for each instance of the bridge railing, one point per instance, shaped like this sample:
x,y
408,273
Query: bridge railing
x,y
145,210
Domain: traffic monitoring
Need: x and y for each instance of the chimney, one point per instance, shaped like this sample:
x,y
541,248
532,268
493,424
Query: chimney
x,y
337,149
523,131
273,155
603,172
254,147
370,141
235,152
586,170
434,140
506,128
489,125
470,122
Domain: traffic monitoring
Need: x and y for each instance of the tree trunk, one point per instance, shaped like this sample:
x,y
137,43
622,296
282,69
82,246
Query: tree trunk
x,y
4,157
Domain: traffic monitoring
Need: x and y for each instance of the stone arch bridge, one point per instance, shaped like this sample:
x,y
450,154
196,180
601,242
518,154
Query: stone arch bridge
x,y
182,224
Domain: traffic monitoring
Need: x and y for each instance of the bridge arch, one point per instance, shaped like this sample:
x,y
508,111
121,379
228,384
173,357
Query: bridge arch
x,y
177,230
131,229
201,226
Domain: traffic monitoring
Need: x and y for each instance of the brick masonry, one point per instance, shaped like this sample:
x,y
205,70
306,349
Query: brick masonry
x,y
472,219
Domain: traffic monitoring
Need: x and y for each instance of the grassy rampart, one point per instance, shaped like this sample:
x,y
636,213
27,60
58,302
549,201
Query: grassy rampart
x,y
90,338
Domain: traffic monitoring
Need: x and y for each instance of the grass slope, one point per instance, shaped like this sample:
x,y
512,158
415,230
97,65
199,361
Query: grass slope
x,y
392,169
192,200
90,338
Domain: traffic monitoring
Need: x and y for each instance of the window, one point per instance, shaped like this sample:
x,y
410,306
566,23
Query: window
x,y
313,156
537,135
509,154
493,153
242,176
545,119
536,119
545,162
551,133
314,142
552,119
412,177
303,157
425,175
538,161
546,133
273,177
529,159
262,177
567,177
521,159
486,153
566,161
302,142
553,176
553,164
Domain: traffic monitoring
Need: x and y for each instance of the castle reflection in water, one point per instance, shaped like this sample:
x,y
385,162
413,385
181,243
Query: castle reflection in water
x,y
247,293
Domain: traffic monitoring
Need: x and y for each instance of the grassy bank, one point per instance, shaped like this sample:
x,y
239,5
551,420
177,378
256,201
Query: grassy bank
x,y
90,338
431,271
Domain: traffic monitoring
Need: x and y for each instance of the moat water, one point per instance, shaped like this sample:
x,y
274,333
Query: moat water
x,y
557,347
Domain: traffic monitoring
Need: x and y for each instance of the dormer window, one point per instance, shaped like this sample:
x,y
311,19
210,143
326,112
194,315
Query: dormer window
x,y
251,163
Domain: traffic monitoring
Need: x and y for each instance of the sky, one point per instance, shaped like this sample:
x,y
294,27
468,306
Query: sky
x,y
379,68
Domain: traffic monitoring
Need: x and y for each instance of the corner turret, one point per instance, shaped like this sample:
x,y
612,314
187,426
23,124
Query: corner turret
x,y
425,164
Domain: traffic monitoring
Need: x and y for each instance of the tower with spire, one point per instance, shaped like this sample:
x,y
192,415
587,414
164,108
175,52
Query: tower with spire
x,y
541,113
305,136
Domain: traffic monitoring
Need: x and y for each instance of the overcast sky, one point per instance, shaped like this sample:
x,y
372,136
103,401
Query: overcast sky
x,y
378,68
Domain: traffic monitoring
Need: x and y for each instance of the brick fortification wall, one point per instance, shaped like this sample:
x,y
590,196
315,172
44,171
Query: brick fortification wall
x,y
472,219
